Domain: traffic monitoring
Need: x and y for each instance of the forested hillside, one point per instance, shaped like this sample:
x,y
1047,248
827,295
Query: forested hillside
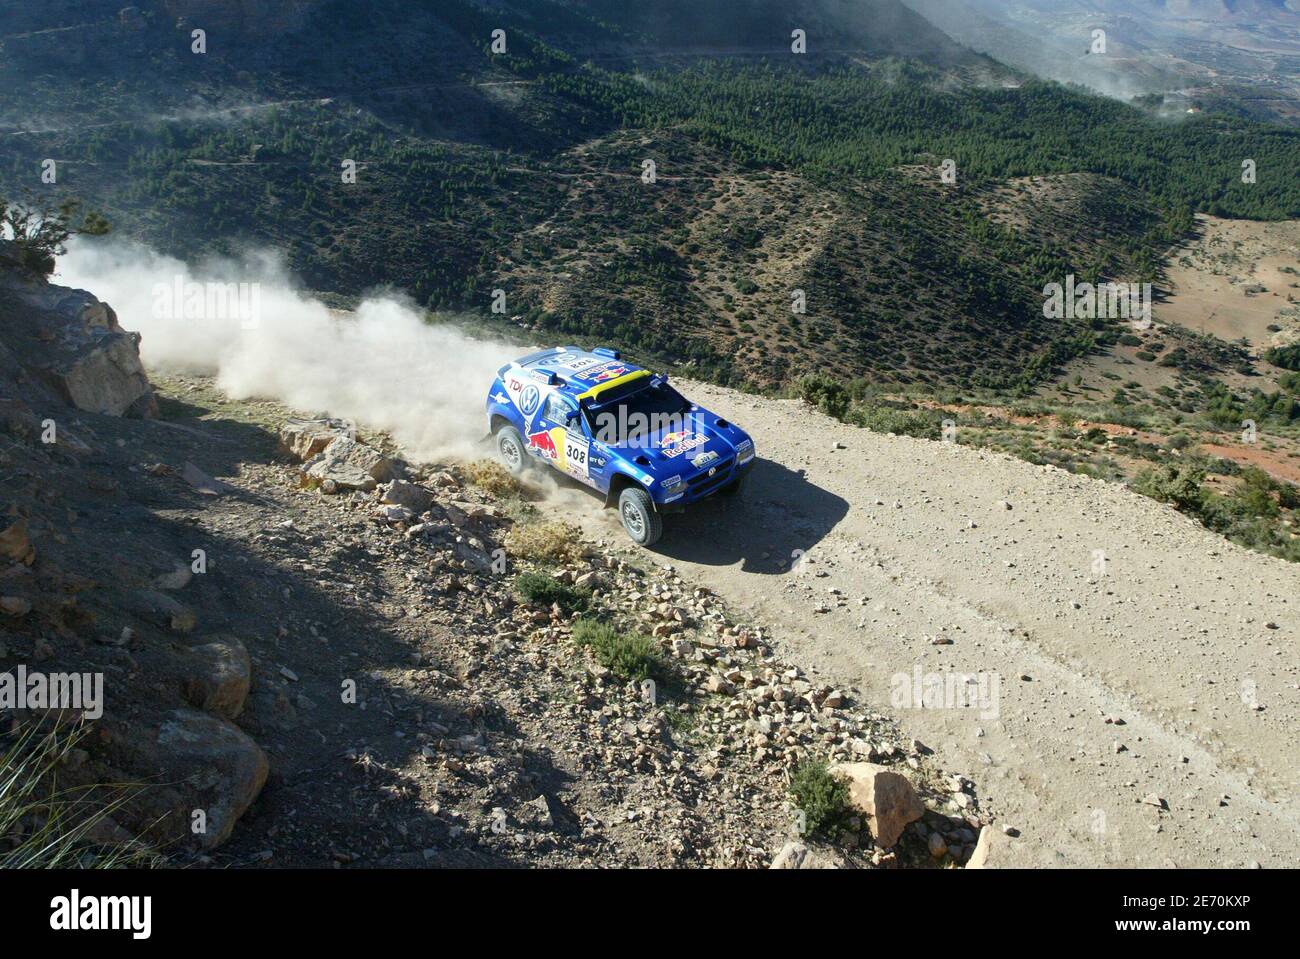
x,y
525,171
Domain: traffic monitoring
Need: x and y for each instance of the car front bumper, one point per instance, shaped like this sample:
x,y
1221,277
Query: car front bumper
x,y
705,483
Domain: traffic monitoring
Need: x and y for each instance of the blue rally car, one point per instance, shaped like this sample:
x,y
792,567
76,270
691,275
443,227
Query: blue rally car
x,y
618,428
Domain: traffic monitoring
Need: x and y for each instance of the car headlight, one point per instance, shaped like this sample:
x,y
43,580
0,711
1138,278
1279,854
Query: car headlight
x,y
673,484
745,451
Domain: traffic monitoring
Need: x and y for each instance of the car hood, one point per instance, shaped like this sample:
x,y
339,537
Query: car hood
x,y
673,449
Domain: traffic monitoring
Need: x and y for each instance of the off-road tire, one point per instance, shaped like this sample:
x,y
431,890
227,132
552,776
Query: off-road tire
x,y
640,518
511,450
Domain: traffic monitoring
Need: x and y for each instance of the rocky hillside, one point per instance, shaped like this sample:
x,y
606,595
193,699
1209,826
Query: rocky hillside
x,y
343,658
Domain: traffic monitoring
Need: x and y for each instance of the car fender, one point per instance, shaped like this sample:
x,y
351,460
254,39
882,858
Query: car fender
x,y
626,474
499,405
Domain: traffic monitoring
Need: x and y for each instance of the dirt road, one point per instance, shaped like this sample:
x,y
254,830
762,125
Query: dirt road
x,y
1121,683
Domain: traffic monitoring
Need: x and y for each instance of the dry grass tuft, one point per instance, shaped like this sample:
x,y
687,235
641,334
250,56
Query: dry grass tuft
x,y
491,477
547,542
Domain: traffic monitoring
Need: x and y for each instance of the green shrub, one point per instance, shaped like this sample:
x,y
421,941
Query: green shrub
x,y
40,231
851,403
821,797
1287,357
1176,484
888,419
1253,499
543,590
627,655
826,393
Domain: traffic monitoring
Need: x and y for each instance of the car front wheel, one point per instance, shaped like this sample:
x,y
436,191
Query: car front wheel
x,y
510,447
642,522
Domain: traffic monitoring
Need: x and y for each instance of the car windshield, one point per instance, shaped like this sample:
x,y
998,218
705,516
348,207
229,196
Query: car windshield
x,y
633,419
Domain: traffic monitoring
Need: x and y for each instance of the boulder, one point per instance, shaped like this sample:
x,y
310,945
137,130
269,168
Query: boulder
x,y
106,377
218,677
333,457
302,439
70,344
196,762
885,797
401,493
346,464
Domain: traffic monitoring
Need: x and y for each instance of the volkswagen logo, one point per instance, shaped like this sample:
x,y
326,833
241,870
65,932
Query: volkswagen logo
x,y
529,402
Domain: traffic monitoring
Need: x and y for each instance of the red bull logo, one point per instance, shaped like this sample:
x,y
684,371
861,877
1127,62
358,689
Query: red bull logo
x,y
544,444
681,441
609,374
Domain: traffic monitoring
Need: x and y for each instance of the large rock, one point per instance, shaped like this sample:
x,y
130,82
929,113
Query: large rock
x,y
70,346
106,377
333,457
410,495
191,761
348,465
885,797
303,439
219,678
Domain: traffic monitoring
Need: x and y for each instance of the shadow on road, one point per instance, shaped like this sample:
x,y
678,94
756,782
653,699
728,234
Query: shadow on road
x,y
779,516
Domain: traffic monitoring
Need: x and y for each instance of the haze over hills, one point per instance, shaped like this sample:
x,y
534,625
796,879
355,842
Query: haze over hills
x,y
1239,55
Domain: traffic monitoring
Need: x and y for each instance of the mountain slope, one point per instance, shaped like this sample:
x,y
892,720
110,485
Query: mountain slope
x,y
522,171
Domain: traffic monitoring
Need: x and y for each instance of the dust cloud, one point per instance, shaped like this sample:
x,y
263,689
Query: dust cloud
x,y
244,322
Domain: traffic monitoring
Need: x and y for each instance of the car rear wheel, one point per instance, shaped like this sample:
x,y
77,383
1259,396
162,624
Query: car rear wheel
x,y
642,522
510,447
